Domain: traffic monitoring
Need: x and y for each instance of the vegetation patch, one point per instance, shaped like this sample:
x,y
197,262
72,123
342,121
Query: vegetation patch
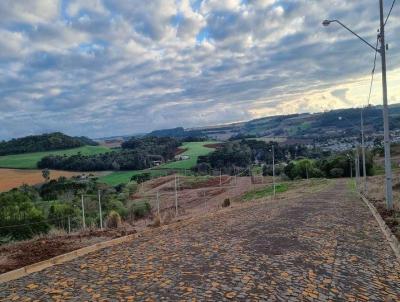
x,y
194,150
136,154
30,160
44,142
264,192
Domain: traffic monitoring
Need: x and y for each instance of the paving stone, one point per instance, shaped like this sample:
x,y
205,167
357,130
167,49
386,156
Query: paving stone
x,y
318,247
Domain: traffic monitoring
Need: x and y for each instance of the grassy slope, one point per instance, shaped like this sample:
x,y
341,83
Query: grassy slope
x,y
29,160
195,149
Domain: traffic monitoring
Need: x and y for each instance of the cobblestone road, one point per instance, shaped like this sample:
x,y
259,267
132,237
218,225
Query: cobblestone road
x,y
324,246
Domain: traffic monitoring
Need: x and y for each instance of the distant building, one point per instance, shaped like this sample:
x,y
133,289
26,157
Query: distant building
x,y
181,157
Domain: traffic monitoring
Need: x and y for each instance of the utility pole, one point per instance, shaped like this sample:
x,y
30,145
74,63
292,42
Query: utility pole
x,y
176,198
388,165
307,170
273,168
83,213
363,151
385,110
100,212
220,177
351,169
158,203
357,166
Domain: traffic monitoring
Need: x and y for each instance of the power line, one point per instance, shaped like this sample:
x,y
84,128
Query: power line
x,y
373,72
390,11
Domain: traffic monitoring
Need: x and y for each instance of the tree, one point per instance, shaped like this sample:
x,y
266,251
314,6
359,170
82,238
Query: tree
x,y
46,174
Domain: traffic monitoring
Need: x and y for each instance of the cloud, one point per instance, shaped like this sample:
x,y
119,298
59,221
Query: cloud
x,y
110,67
25,11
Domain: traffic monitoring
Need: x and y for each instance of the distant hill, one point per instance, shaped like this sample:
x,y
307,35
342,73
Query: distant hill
x,y
178,132
44,142
310,126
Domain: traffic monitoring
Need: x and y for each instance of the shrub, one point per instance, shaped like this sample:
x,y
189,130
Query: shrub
x,y
141,209
138,209
19,218
226,203
156,221
142,177
113,220
336,172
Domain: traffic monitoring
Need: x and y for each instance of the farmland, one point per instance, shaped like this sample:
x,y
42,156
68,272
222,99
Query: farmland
x,y
29,160
193,150
12,178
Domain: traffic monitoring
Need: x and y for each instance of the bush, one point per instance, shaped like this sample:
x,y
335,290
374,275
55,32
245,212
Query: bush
x,y
19,218
336,172
113,220
139,209
142,177
226,203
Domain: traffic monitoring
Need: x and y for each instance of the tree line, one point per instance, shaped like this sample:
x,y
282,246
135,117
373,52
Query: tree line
x,y
241,154
136,154
44,142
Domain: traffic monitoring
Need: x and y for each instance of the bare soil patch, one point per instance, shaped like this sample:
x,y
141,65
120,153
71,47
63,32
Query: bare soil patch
x,y
376,194
20,254
180,150
13,178
213,146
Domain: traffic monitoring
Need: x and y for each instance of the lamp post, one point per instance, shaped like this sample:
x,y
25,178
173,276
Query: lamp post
x,y
382,51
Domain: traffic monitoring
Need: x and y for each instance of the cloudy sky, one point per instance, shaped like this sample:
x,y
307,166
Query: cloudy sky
x,y
112,67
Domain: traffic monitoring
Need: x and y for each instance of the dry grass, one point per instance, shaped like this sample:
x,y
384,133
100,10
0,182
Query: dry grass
x,y
376,194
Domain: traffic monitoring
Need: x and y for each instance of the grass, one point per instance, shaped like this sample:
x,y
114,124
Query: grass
x,y
264,192
194,150
351,185
29,160
123,177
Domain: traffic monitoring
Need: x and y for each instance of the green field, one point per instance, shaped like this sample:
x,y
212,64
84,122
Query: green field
x,y
29,160
264,192
194,150
116,178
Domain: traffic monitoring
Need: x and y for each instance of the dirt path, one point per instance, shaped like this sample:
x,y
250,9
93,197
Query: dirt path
x,y
319,247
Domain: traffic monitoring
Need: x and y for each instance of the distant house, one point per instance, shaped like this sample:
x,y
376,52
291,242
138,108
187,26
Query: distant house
x,y
157,162
181,157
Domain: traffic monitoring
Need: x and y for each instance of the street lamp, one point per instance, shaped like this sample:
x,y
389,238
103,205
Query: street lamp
x,y
328,22
382,52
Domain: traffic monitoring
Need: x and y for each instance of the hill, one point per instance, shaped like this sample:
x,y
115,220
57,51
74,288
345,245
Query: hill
x,y
42,143
178,132
313,126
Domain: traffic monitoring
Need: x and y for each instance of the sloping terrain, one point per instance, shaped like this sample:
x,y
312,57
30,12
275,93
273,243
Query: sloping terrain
x,y
316,247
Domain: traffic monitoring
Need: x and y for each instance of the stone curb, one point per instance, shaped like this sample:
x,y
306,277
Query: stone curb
x,y
391,238
39,266
36,267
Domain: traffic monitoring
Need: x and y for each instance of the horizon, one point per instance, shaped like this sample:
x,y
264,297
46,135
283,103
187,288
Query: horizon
x,y
112,67
197,127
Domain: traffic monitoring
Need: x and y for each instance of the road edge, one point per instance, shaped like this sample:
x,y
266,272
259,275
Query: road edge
x,y
390,237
